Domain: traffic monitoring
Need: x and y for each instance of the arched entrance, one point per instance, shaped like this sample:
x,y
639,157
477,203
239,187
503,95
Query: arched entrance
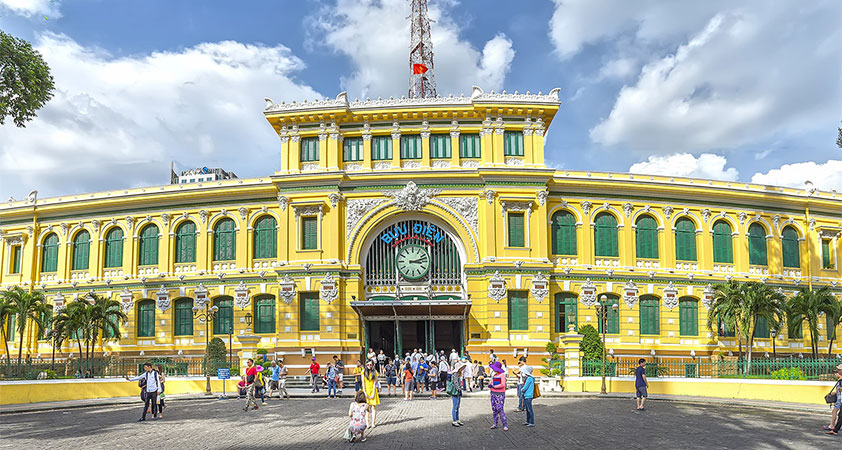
x,y
414,291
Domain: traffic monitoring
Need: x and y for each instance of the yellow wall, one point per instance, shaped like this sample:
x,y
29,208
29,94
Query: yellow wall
x,y
60,390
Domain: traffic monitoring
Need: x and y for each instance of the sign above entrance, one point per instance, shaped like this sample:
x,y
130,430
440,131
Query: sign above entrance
x,y
422,231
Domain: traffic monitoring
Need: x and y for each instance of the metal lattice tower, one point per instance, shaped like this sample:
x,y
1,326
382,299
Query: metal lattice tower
x,y
422,78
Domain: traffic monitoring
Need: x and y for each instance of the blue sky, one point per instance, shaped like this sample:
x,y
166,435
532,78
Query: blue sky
x,y
747,91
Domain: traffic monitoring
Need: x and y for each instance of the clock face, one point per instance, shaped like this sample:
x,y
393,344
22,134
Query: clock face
x,y
413,262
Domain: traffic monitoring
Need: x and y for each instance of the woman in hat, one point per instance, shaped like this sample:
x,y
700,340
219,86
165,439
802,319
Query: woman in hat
x,y
454,388
498,394
372,396
528,390
838,406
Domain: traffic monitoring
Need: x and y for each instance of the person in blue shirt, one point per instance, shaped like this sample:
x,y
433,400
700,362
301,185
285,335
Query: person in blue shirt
x,y
528,389
332,378
641,384
421,374
276,377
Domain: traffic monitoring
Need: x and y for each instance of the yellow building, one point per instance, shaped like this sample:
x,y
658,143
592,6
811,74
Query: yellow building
x,y
434,223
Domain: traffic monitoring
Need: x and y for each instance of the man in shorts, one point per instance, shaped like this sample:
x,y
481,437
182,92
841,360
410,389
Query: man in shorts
x,y
273,383
641,384
340,371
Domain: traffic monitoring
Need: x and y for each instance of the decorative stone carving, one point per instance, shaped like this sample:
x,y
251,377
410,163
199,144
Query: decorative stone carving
x,y
630,292
812,224
411,165
64,228
586,207
203,215
707,296
412,198
742,216
130,223
441,164
470,164
515,206
201,297
668,212
670,296
467,207
356,209
353,167
58,303
587,293
310,167
518,263
306,210
542,197
283,202
514,161
244,213
540,287
335,198
497,287
329,289
489,195
163,299
96,224
241,295
396,130
705,215
287,291
628,208
382,165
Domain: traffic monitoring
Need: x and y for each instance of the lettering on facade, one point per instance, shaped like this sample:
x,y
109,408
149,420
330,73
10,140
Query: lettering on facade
x,y
425,232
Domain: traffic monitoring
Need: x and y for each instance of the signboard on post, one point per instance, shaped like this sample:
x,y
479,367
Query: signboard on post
x,y
223,374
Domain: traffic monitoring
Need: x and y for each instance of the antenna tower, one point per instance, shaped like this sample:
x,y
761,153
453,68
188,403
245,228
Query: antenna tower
x,y
422,79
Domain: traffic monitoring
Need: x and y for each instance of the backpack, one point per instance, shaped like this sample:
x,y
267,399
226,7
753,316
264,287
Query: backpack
x,y
832,396
258,380
451,388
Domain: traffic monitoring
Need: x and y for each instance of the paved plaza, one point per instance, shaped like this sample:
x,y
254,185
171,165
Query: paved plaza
x,y
319,424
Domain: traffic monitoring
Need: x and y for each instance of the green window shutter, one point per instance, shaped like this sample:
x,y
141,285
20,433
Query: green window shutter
x,y
381,148
757,244
469,146
224,241
826,263
352,149
114,248
685,240
613,322
309,149
148,247
722,246
309,233
516,231
647,237
688,317
440,146
761,328
649,316
184,317
265,238
513,143
605,235
518,310
563,233
224,320
830,327
49,256
264,314
16,258
411,147
789,244
309,311
185,243
81,251
146,318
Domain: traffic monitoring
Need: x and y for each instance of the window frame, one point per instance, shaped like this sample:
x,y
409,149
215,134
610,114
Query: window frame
x,y
49,253
265,237
790,248
688,316
307,302
646,229
377,150
652,305
722,253
613,323
114,248
563,230
181,322
353,154
309,149
438,140
464,148
417,152
148,244
264,326
15,260
756,252
146,318
562,301
304,220
685,240
185,242
513,137
512,218
222,250
608,248
518,310
225,307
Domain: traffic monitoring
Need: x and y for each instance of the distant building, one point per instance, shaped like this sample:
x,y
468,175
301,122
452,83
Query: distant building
x,y
200,175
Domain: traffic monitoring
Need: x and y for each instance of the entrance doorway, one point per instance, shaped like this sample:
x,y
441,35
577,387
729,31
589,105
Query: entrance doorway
x,y
428,335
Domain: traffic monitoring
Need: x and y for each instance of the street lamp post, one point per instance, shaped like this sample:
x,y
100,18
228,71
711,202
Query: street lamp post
x,y
208,317
602,316
53,334
774,335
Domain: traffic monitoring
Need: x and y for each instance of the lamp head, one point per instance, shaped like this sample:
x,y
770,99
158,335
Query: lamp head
x,y
215,308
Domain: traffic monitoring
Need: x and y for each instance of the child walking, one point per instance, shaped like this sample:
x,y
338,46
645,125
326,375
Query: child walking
x,y
641,384
358,412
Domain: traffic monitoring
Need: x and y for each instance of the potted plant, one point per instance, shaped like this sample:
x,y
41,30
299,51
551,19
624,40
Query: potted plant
x,y
553,369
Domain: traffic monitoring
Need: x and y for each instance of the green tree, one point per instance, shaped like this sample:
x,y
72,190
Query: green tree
x,y
6,311
834,319
759,300
216,349
27,306
726,308
25,81
807,304
105,316
69,324
591,346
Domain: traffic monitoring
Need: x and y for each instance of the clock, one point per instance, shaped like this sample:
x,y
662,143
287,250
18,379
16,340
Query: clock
x,y
412,262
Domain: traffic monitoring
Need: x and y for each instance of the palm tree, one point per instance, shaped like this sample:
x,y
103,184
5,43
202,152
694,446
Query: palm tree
x,y
28,306
106,316
70,322
6,311
834,319
806,305
760,301
725,309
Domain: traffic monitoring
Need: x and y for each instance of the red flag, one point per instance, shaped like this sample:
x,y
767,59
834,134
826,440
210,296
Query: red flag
x,y
419,69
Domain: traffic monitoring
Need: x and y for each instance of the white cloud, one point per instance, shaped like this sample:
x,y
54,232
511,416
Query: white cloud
x,y
715,74
706,165
118,122
32,8
825,176
375,36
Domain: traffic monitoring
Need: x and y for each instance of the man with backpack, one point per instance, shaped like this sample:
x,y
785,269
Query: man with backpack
x,y
150,384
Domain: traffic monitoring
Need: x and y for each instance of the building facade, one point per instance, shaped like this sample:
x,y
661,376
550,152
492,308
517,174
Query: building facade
x,y
433,223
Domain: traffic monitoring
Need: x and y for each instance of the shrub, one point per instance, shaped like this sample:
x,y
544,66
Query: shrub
x,y
51,374
262,351
591,346
789,373
216,349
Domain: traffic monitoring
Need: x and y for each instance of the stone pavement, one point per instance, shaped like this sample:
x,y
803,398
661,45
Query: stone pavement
x,y
318,423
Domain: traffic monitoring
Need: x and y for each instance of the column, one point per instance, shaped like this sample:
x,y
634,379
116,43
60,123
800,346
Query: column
x,y
454,148
367,151
572,360
527,147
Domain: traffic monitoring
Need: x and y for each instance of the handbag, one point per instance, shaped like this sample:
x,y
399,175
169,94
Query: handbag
x,y
832,396
536,392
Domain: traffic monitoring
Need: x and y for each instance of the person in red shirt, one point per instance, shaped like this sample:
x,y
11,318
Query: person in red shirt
x,y
314,375
251,375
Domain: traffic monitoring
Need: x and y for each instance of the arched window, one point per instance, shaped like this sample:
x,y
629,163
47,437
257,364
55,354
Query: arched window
x,y
81,250
185,243
757,244
264,314
650,322
605,235
685,240
688,316
146,318
564,233
565,304
265,238
49,254
723,250
183,317
789,242
613,321
646,237
224,241
224,320
148,249
114,248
